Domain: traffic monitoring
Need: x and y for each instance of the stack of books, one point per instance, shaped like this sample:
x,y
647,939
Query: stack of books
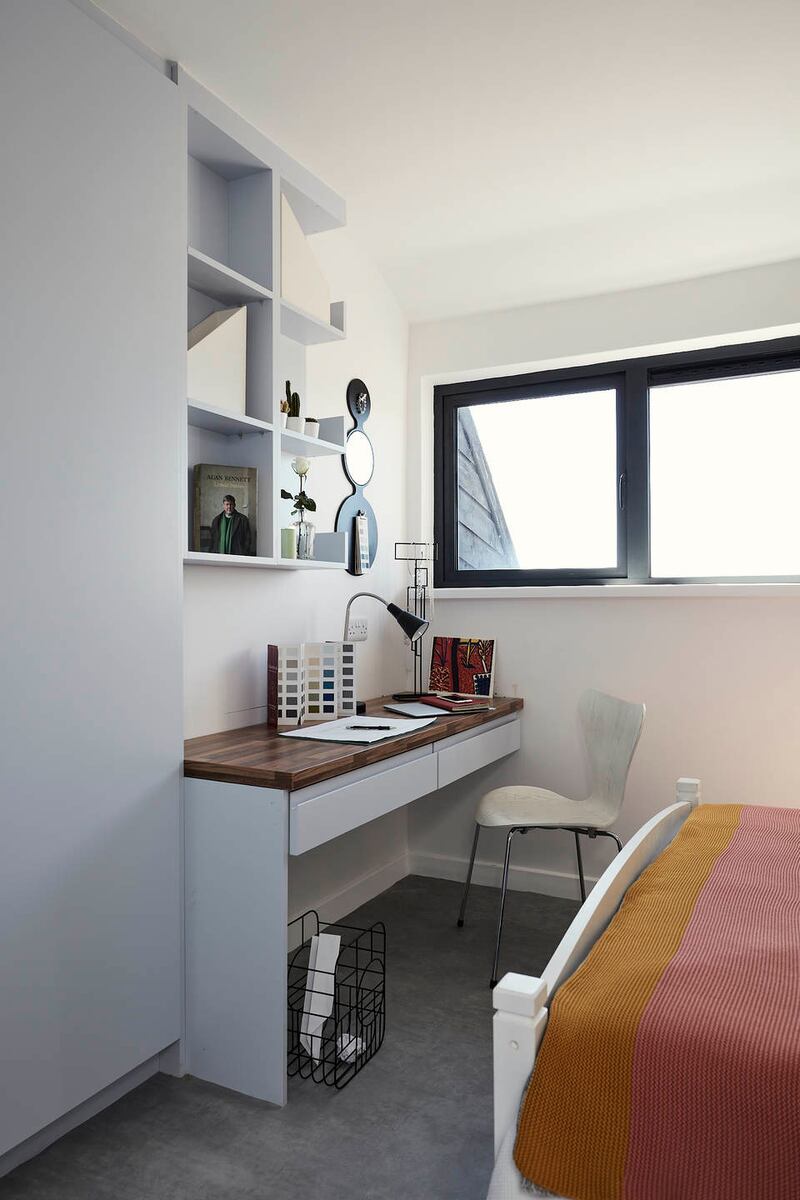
x,y
452,702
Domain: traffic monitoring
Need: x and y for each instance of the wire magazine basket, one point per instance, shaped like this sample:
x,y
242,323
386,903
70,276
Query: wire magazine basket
x,y
337,1017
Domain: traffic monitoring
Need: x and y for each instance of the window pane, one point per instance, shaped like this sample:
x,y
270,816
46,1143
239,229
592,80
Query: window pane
x,y
537,483
724,483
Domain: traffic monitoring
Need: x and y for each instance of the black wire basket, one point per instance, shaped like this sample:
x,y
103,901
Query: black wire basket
x,y
353,994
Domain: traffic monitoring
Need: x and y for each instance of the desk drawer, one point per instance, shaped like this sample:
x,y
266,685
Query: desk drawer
x,y
314,821
476,751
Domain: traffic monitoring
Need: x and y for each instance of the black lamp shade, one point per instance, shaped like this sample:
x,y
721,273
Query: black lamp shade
x,y
413,627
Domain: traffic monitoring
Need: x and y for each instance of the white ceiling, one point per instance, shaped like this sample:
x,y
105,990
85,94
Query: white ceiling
x,y
498,154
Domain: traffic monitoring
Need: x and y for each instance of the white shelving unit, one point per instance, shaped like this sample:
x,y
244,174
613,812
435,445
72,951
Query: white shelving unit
x,y
220,282
235,181
300,564
330,441
195,558
218,420
309,330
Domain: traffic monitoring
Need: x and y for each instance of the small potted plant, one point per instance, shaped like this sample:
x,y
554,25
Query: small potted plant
x,y
294,422
303,504
311,428
284,413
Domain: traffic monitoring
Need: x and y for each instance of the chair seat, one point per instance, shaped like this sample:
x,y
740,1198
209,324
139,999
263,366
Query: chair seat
x,y
520,805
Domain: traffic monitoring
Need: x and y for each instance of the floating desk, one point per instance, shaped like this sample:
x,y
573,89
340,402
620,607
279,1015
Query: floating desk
x,y
253,799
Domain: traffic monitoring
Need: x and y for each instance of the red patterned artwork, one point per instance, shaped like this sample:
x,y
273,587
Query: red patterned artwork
x,y
463,665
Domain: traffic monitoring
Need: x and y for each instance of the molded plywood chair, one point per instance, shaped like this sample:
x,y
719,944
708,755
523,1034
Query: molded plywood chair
x,y
611,729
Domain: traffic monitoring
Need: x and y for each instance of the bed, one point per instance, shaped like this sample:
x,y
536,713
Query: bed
x,y
523,1009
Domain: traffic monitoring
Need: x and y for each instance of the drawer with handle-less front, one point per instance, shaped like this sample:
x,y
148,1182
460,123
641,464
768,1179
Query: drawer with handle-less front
x,y
460,755
319,813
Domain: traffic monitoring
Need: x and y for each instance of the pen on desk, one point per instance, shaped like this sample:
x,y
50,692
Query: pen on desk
x,y
368,726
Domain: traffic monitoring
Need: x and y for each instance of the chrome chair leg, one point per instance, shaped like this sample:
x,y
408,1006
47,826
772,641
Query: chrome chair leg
x,y
503,890
605,833
580,865
469,877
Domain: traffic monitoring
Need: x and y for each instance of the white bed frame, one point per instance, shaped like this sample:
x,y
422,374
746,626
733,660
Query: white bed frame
x,y
521,1001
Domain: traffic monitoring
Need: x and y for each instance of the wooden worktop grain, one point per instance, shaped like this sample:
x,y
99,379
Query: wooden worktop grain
x,y
259,756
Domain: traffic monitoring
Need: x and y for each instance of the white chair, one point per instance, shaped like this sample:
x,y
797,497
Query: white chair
x,y
611,730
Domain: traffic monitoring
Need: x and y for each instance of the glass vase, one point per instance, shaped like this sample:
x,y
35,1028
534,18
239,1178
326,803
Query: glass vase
x,y
305,538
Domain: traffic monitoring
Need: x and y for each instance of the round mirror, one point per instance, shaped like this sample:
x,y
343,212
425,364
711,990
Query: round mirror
x,y
359,457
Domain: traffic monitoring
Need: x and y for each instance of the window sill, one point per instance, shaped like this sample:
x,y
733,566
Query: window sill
x,y
621,591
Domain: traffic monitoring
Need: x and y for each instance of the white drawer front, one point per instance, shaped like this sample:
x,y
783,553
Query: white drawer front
x,y
315,821
457,761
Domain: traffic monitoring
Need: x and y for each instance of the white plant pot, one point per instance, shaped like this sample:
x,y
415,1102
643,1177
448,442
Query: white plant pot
x,y
312,429
295,424
284,419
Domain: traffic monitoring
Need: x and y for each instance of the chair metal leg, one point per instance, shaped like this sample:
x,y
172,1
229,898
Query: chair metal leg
x,y
605,833
608,833
503,890
580,865
469,877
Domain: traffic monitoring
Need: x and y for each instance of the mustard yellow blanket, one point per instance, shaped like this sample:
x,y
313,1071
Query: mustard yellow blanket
x,y
670,1069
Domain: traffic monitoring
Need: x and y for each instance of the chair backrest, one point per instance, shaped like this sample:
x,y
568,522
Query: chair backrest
x,y
611,728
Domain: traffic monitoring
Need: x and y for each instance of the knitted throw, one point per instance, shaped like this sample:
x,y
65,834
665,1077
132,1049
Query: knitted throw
x,y
670,1069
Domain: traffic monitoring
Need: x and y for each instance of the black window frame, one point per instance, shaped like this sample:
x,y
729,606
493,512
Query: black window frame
x,y
632,378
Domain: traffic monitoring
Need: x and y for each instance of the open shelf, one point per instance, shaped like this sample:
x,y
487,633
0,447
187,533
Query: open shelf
x,y
331,554
217,420
310,331
223,283
197,559
308,564
309,447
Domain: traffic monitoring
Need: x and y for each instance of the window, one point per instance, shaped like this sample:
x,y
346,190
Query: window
x,y
679,468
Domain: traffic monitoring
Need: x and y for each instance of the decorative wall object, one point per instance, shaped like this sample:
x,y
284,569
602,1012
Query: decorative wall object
x,y
312,681
217,360
302,281
358,462
417,555
464,666
225,507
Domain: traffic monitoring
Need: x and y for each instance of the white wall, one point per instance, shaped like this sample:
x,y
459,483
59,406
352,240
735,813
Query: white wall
x,y
720,676
230,615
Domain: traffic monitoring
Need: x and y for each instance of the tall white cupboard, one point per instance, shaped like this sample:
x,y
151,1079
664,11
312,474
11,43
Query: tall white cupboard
x,y
92,391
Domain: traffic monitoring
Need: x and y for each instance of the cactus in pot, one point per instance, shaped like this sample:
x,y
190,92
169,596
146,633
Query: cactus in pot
x,y
294,421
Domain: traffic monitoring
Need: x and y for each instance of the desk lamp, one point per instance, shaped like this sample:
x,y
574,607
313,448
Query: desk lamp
x,y
412,626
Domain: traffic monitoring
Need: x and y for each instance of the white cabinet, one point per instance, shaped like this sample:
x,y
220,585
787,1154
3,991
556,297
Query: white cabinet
x,y
92,244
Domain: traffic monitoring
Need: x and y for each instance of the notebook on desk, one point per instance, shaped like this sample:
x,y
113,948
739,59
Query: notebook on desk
x,y
358,729
414,708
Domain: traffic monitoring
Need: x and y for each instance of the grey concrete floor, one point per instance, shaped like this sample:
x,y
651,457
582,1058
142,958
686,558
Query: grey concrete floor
x,y
415,1124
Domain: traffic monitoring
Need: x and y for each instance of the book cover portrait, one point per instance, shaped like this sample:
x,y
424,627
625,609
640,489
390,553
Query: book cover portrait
x,y
225,505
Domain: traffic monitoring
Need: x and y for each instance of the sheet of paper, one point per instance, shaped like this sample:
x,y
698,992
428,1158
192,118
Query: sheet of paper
x,y
318,1000
359,729
415,708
